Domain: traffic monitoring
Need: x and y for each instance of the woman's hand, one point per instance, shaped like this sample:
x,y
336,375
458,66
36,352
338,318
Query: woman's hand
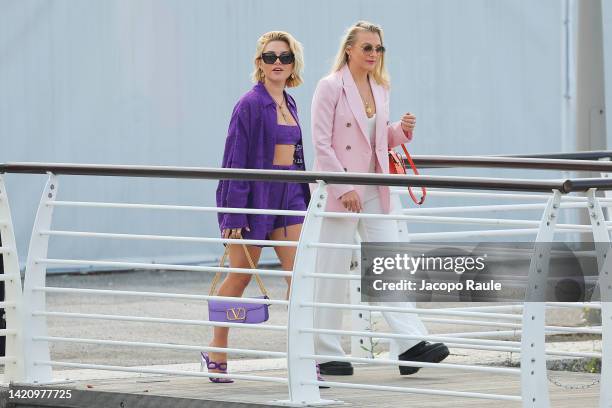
x,y
351,201
408,122
233,233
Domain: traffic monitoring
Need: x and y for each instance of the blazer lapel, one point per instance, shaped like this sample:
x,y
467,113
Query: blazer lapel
x,y
379,100
354,101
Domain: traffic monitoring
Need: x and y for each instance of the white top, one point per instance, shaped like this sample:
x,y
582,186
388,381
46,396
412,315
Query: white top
x,y
372,130
371,191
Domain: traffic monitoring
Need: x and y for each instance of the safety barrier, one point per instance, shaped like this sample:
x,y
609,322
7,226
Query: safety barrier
x,y
12,302
31,328
532,323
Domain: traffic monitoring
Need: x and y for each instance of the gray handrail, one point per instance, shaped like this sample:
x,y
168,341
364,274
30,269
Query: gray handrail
x,y
483,183
513,163
585,155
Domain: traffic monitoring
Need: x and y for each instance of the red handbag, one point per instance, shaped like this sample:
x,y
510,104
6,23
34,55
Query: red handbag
x,y
397,166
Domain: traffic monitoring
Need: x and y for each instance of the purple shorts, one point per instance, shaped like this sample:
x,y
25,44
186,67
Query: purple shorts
x,y
283,196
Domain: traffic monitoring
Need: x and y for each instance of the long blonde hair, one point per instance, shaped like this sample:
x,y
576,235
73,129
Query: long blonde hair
x,y
380,74
296,48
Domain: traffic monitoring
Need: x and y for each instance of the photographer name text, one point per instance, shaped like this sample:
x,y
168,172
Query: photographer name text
x,y
425,285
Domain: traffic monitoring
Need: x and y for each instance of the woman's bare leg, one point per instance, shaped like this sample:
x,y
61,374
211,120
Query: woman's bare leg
x,y
233,285
286,255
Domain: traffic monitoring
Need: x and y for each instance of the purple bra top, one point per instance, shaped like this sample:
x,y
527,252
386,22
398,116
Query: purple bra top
x,y
286,134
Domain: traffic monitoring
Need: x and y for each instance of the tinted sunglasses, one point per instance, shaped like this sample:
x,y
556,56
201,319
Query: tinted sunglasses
x,y
368,48
285,58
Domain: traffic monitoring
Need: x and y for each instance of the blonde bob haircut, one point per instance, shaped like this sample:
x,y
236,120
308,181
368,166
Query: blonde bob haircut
x,y
380,74
296,48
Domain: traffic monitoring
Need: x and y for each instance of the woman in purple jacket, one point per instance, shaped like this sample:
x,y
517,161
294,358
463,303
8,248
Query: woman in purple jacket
x,y
264,133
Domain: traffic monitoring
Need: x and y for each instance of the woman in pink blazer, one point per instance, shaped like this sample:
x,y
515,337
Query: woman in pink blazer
x,y
351,132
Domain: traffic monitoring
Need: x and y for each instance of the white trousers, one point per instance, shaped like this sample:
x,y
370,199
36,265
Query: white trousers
x,y
343,231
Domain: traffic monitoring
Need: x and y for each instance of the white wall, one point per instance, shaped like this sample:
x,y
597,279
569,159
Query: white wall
x,y
153,82
606,12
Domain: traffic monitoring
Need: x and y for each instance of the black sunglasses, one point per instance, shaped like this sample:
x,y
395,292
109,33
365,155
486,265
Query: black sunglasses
x,y
368,48
285,58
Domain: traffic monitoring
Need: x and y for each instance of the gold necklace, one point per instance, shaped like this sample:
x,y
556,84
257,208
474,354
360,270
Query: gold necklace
x,y
280,108
368,109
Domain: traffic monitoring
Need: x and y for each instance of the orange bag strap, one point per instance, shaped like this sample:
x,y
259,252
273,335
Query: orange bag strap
x,y
416,172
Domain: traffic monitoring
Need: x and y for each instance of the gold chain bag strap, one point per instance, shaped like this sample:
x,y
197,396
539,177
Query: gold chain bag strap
x,y
236,311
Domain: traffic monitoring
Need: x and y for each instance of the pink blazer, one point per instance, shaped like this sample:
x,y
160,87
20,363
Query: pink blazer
x,y
339,133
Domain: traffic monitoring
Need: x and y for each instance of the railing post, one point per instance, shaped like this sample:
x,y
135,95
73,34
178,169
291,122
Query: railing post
x,y
604,262
361,320
396,209
301,371
534,382
14,364
35,300
605,284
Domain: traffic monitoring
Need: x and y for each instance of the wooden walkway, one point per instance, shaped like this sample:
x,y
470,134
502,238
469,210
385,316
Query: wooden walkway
x,y
199,392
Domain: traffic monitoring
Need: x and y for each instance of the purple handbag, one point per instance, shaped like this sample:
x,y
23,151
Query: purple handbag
x,y
236,311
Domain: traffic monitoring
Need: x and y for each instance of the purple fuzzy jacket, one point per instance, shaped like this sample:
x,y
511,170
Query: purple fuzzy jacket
x,y
250,145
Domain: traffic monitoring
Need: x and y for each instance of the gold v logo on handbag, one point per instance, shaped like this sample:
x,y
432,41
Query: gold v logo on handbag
x,y
235,313
225,310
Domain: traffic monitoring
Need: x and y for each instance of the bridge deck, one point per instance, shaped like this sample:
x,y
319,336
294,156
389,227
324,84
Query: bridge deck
x,y
199,392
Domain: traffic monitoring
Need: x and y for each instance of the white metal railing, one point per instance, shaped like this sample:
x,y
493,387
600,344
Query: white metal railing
x,y
31,326
38,362
300,301
363,320
532,328
12,304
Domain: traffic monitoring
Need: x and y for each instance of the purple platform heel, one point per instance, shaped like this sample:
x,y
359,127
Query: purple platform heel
x,y
213,365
